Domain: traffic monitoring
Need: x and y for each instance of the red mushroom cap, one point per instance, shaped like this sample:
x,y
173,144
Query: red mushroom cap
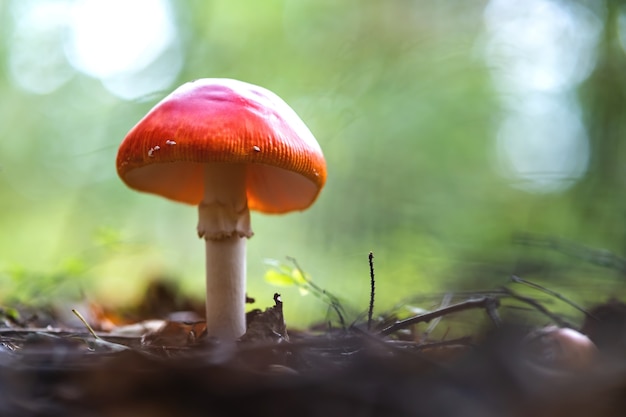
x,y
224,121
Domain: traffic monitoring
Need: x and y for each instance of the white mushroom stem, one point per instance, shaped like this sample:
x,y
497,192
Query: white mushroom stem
x,y
224,223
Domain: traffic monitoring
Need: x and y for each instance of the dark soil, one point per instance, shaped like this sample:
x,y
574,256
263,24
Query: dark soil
x,y
387,370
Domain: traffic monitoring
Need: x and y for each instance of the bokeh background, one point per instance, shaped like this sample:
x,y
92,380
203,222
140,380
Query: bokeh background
x,y
466,141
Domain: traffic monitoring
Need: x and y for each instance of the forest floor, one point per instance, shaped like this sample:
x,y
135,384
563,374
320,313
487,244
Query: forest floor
x,y
382,366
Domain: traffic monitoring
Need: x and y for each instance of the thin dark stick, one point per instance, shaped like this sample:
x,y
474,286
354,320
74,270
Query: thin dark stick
x,y
461,341
408,353
492,312
555,294
534,303
599,257
483,302
445,302
370,312
435,297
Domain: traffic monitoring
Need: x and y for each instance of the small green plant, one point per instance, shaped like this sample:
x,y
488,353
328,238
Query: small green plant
x,y
290,274
23,285
281,274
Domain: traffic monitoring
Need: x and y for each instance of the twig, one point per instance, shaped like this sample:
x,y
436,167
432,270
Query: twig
x,y
483,302
555,294
370,311
445,302
534,303
98,340
461,341
413,354
491,307
599,257
459,295
332,299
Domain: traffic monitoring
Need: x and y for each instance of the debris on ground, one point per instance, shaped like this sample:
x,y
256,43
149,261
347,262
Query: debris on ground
x,y
385,366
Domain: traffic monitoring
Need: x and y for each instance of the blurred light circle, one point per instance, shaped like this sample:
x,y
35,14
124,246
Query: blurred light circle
x,y
109,38
156,77
543,147
130,46
621,24
544,45
36,62
538,52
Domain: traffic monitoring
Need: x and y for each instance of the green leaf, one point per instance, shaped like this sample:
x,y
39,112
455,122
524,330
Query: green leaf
x,y
108,238
284,275
279,278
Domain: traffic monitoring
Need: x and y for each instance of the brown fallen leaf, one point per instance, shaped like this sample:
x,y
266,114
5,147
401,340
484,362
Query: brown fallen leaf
x,y
175,334
268,325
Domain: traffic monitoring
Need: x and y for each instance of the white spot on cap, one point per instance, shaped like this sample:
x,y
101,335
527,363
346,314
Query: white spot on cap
x,y
170,142
256,149
152,150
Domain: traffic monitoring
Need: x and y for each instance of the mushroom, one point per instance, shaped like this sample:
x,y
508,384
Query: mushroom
x,y
228,147
559,350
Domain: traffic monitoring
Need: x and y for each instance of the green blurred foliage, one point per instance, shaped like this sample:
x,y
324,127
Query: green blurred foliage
x,y
400,97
